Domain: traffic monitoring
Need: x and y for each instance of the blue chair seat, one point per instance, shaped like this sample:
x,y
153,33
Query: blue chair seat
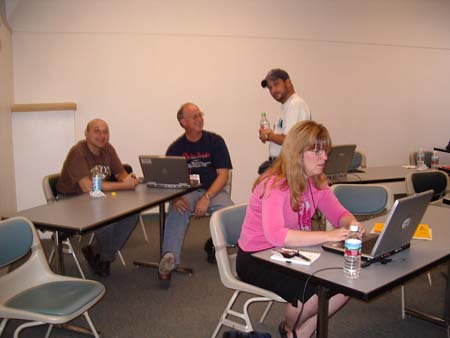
x,y
362,200
72,296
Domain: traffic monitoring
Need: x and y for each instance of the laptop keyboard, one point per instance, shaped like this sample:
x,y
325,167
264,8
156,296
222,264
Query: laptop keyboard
x,y
168,186
368,243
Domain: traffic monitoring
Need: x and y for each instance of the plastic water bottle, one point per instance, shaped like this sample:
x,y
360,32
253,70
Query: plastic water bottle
x,y
352,254
97,181
420,158
435,160
264,122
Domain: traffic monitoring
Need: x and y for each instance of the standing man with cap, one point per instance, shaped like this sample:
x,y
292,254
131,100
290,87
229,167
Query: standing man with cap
x,y
293,110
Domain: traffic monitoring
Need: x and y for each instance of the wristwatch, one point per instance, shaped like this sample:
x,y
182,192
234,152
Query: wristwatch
x,y
208,197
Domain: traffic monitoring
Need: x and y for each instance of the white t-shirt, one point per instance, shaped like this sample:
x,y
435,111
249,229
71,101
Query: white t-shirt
x,y
295,109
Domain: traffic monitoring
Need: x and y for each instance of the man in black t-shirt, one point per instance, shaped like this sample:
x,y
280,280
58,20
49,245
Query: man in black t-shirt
x,y
207,156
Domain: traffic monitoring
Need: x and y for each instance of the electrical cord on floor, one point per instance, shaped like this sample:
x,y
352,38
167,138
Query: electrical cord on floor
x,y
303,297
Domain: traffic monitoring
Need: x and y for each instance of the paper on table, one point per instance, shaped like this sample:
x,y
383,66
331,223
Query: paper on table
x,y
423,231
312,255
96,194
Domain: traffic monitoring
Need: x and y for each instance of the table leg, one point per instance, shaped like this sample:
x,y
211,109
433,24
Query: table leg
x,y
322,313
162,224
59,258
443,322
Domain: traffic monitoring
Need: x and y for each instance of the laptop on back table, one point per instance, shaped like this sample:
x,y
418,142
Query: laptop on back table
x,y
399,228
339,160
165,171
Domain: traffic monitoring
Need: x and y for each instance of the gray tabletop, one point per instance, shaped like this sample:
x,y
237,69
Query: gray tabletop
x,y
377,278
82,213
376,175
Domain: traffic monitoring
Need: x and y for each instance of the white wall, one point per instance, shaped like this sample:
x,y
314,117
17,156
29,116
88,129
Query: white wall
x,y
7,183
41,141
375,73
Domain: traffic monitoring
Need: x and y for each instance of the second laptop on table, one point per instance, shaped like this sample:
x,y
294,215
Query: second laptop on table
x,y
165,171
339,160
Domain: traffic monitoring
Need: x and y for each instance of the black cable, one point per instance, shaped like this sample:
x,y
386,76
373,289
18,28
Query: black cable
x,y
304,294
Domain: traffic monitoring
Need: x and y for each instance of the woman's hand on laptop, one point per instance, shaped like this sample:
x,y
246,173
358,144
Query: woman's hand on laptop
x,y
361,228
337,235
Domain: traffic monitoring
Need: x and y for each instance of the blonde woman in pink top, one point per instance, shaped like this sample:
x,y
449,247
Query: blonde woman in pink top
x,y
283,201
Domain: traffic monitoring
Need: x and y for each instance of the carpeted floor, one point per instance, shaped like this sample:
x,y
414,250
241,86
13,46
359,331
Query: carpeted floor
x,y
136,306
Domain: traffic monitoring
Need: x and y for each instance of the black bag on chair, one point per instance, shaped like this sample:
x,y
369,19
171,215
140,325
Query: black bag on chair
x,y
239,334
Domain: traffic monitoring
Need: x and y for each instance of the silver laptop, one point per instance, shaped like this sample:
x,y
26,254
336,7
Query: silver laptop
x,y
399,228
339,160
165,171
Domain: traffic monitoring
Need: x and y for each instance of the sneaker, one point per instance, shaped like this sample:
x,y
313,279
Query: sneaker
x,y
99,267
166,266
210,251
103,268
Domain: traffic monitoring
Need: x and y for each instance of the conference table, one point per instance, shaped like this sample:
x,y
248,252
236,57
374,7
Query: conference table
x,y
326,271
371,175
83,213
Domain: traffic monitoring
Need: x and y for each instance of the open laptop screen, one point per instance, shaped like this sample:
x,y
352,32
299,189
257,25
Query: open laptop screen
x,y
165,171
339,159
399,228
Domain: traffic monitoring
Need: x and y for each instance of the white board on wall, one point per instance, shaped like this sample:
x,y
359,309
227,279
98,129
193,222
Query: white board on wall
x,y
41,141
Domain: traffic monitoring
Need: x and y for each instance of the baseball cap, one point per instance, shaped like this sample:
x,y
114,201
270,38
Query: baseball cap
x,y
275,74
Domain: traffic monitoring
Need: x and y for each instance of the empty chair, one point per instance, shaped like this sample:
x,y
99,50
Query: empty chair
x,y
364,201
358,161
420,181
225,226
31,291
49,186
413,157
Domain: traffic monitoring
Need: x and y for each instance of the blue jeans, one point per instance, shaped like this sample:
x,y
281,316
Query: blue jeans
x,y
177,223
112,237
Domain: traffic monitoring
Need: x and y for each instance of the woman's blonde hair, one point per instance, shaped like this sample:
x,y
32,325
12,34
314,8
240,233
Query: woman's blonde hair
x,y
288,168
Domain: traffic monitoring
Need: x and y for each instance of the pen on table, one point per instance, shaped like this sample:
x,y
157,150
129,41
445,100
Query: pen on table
x,y
303,256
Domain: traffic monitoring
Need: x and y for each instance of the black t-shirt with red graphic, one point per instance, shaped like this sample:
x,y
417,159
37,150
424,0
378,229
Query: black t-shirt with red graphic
x,y
204,156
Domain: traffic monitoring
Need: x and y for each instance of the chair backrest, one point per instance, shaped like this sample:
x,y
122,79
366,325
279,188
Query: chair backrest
x,y
227,187
413,157
358,161
225,226
49,186
364,199
420,181
128,168
16,239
